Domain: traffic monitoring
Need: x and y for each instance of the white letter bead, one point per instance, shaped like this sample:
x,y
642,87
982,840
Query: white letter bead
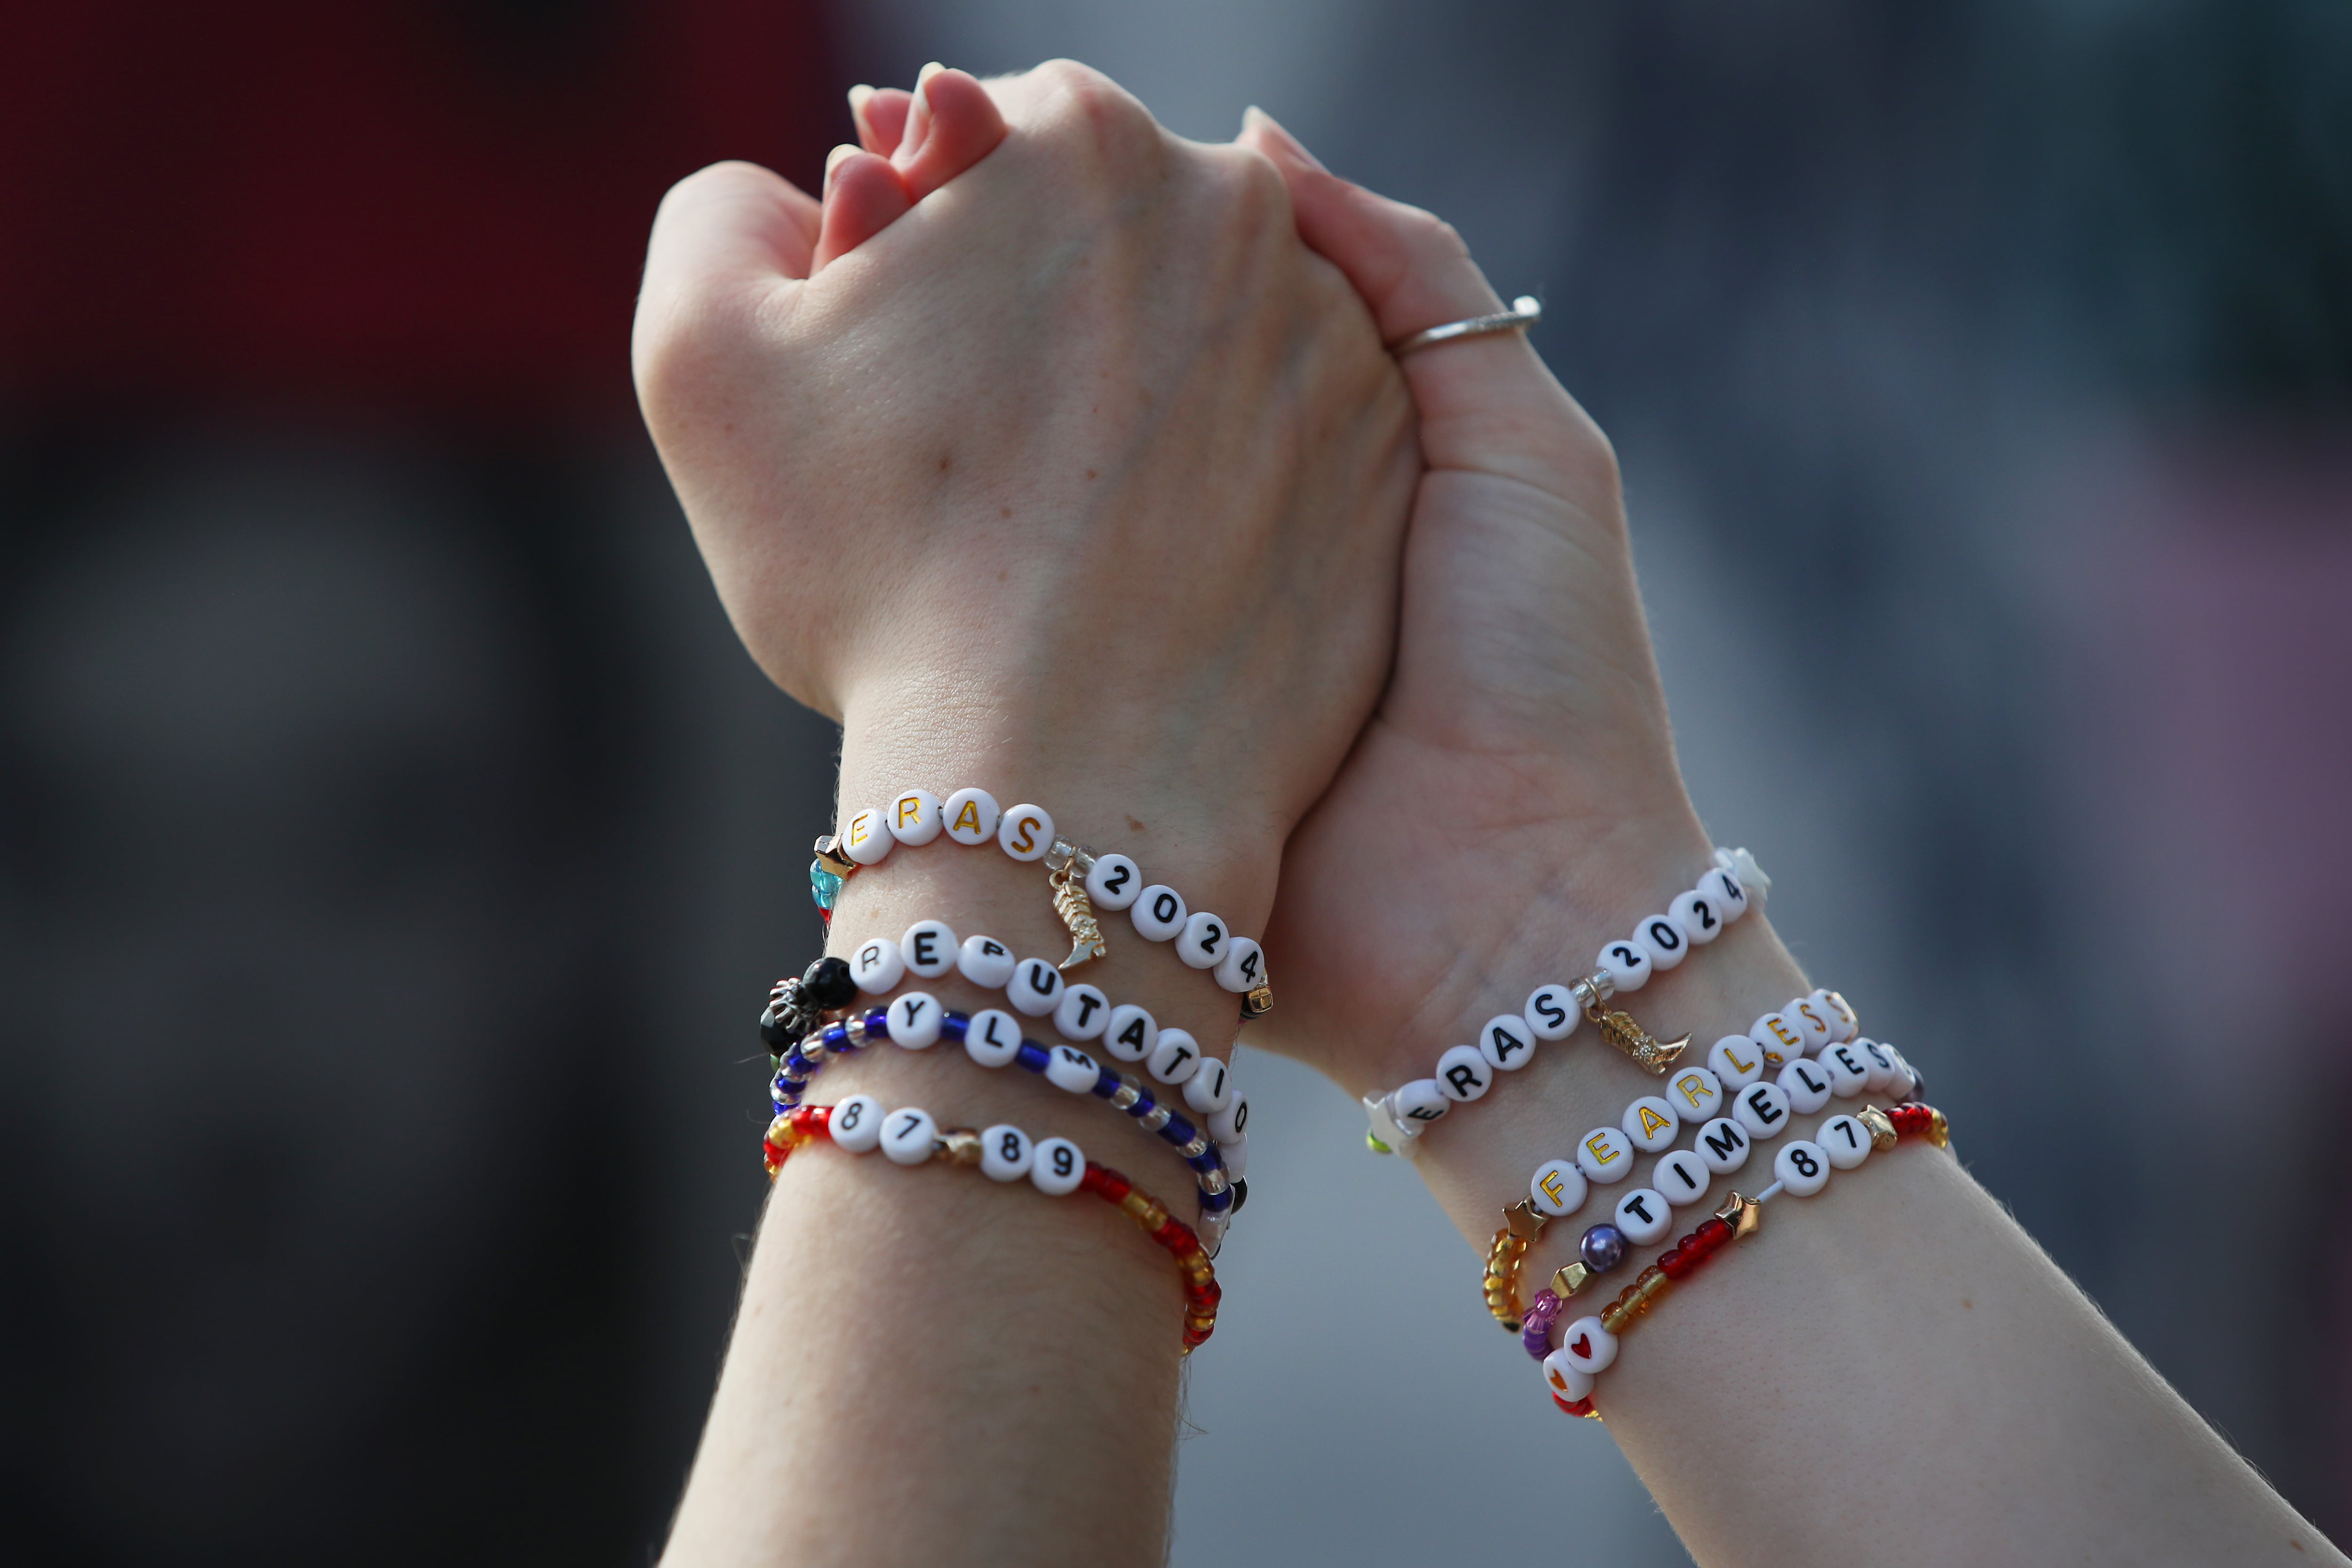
x,y
992,1038
1696,913
1507,1042
1695,1093
1724,1145
1462,1073
1738,1060
1730,897
1664,941
914,816
1806,1085
1158,913
1552,1013
1881,1065
1201,941
1812,1022
1231,1125
1848,1070
1589,1347
1421,1102
1070,1069
971,815
907,1136
1762,1110
985,962
1235,1155
1056,1166
929,949
865,838
1035,987
1082,1013
876,966
1628,965
1558,1188
1803,1167
1243,969
1652,1123
1026,833
1114,882
1845,1141
1781,1039
1175,1057
1130,1034
1644,1216
1606,1156
1566,1379
915,1020
1206,1090
1005,1152
1843,1025
857,1124
1683,1176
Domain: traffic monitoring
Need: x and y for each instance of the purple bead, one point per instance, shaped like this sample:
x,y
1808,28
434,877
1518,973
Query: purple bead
x,y
1536,1335
1603,1249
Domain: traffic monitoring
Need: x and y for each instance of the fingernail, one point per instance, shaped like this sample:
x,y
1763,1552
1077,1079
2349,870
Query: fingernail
x,y
835,159
926,73
1258,117
918,119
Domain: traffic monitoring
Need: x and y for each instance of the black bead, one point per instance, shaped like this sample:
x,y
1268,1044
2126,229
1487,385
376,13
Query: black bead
x,y
783,1035
1241,1195
828,983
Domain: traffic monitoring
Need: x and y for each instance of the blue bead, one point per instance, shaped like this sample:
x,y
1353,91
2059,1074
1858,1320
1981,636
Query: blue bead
x,y
1216,1203
1106,1083
878,1022
1178,1132
1206,1163
1603,1249
835,1038
824,885
1032,1056
952,1025
1144,1104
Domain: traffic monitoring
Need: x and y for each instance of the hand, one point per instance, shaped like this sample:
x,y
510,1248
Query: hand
x,y
1081,472
1519,774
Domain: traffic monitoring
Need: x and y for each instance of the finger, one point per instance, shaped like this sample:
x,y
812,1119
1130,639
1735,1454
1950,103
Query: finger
x,y
881,117
953,124
1484,402
862,196
728,225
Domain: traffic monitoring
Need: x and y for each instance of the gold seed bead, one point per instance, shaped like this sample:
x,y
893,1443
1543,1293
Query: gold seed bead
x,y
1570,1278
1939,1131
961,1146
780,1132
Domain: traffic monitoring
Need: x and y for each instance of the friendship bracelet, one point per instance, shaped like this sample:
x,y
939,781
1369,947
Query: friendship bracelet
x,y
1078,877
929,951
1850,1066
1508,1040
1216,1152
1054,1166
1803,1169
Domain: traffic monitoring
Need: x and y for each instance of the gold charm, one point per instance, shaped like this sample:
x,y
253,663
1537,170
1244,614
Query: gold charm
x,y
1257,1004
1620,1030
1524,1220
1744,1215
1078,912
829,856
1882,1127
1570,1278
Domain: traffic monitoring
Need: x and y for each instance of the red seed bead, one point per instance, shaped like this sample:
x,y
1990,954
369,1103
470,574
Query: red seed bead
x,y
1110,1186
1675,1264
1712,1234
1574,1406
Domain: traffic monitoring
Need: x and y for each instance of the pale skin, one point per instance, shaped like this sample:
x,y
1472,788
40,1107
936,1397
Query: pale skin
x,y
1207,576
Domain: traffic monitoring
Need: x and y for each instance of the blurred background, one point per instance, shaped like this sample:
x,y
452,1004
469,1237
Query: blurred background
x,y
395,843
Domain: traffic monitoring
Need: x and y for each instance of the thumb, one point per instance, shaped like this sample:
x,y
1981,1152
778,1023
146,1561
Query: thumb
x,y
1486,402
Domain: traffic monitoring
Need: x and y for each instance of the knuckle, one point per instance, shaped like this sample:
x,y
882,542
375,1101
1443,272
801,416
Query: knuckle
x,y
1088,106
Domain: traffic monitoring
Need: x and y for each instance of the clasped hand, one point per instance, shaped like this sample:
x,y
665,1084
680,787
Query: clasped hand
x,y
1059,445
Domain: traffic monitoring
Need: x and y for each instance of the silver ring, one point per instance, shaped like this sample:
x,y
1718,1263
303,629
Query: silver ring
x,y
1524,312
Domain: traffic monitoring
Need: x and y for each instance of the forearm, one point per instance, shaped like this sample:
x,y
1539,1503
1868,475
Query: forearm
x,y
1889,1366
927,1365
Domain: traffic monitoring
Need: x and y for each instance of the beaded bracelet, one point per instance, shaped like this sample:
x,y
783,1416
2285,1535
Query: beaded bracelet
x,y
1079,880
929,951
1801,1169
1650,1125
1054,1166
1508,1040
1217,1153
